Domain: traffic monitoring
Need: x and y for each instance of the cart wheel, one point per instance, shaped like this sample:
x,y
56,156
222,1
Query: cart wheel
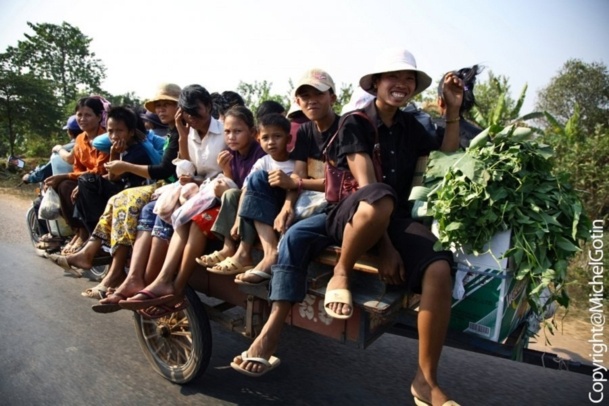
x,y
33,226
97,272
177,346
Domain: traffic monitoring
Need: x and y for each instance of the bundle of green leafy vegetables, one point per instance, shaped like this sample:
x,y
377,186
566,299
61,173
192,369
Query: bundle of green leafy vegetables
x,y
507,181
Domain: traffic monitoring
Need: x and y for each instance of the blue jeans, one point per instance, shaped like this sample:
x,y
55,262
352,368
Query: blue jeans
x,y
149,221
261,202
301,243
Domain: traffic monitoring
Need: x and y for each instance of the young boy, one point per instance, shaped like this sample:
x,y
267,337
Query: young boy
x,y
315,96
274,137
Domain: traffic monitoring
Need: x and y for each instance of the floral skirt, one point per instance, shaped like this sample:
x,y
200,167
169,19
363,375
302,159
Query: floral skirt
x,y
118,223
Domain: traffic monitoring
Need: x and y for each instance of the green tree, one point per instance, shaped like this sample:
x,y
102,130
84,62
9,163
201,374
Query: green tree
x,y
128,99
59,53
255,93
28,110
494,104
578,83
582,154
343,95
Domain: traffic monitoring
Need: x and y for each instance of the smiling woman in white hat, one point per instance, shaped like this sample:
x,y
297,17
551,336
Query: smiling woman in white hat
x,y
377,213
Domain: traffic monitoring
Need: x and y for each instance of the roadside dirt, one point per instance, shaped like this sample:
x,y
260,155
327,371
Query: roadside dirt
x,y
569,341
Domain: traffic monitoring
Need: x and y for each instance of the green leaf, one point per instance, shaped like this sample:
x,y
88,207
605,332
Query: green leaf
x,y
566,245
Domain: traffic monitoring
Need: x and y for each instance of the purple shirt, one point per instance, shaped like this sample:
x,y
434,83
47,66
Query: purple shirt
x,y
241,165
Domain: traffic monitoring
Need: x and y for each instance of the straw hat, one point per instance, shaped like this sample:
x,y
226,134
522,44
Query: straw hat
x,y
392,60
166,91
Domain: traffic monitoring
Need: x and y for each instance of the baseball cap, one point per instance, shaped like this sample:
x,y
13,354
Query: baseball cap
x,y
71,124
317,78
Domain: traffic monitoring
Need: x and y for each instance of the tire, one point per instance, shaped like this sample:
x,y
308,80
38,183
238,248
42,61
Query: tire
x,y
33,227
97,272
177,346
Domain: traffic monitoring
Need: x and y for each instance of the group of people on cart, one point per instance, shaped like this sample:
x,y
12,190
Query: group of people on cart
x,y
155,189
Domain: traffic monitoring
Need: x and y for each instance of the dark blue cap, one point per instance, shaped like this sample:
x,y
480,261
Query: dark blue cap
x,y
72,124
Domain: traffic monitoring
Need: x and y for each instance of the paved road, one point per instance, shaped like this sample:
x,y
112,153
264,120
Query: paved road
x,y
55,351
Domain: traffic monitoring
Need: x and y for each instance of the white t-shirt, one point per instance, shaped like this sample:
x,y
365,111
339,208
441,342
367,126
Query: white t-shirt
x,y
266,163
204,152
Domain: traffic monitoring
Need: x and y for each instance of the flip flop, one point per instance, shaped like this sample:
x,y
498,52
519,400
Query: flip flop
x,y
50,238
138,304
62,261
211,259
163,310
228,267
66,250
97,292
420,402
109,307
338,296
270,364
48,245
266,278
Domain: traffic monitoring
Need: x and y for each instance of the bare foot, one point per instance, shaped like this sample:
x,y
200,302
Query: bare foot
x,y
262,347
81,260
264,266
67,249
127,289
251,277
215,257
339,282
157,288
74,246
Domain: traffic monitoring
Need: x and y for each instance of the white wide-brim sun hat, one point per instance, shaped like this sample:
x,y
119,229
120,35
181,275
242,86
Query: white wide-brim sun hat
x,y
393,60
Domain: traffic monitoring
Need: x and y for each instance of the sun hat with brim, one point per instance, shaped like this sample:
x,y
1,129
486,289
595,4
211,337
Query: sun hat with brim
x,y
393,60
166,91
294,108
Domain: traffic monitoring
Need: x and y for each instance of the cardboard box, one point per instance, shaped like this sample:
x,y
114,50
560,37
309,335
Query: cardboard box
x,y
493,305
487,300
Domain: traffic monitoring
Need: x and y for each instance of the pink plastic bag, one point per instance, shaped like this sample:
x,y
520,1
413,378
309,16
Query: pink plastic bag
x,y
203,200
168,201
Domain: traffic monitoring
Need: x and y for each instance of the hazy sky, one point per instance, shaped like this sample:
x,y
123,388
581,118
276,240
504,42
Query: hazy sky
x,y
218,43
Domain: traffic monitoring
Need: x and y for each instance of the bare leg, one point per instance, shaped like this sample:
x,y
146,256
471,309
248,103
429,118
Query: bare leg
x,y
83,236
368,225
266,343
116,274
156,259
228,248
179,246
433,319
197,241
84,258
269,241
244,256
134,281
